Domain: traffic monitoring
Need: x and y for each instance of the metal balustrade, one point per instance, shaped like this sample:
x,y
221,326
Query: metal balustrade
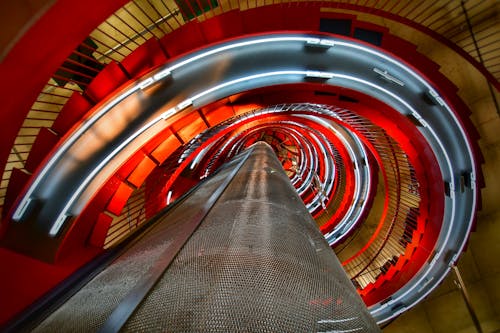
x,y
340,178
132,217
399,189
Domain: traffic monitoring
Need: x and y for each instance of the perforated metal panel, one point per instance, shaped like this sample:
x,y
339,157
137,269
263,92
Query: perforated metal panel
x,y
90,307
87,310
257,263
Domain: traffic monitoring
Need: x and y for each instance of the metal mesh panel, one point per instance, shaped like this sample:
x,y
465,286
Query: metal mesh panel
x,y
257,263
88,309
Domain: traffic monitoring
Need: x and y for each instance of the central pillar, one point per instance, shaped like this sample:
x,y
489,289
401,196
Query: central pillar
x,y
257,263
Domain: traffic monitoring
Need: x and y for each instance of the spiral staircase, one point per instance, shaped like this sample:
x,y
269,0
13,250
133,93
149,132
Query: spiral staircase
x,y
382,113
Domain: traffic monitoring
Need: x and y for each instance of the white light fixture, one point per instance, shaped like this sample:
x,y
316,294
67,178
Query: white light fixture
x,y
436,96
146,83
385,75
319,74
18,214
167,114
313,41
61,220
184,104
327,42
162,74
320,42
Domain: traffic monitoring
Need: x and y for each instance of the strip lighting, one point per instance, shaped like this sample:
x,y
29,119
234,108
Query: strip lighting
x,y
167,72
347,219
160,75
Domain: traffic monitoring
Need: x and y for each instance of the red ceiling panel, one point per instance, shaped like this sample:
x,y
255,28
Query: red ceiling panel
x,y
71,113
100,230
110,78
119,199
222,26
142,170
262,19
44,142
184,39
148,55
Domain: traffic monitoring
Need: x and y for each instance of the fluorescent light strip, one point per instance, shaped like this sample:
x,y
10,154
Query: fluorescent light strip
x,y
449,165
18,213
248,78
65,146
238,45
310,40
320,42
166,72
162,74
59,221
319,75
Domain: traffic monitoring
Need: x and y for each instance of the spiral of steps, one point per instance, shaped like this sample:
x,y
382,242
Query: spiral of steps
x,y
375,138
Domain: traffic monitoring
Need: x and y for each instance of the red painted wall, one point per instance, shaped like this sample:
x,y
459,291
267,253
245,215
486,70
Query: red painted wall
x,y
38,54
23,73
35,277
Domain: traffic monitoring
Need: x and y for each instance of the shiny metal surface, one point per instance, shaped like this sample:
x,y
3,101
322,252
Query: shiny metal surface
x,y
133,274
128,305
256,263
